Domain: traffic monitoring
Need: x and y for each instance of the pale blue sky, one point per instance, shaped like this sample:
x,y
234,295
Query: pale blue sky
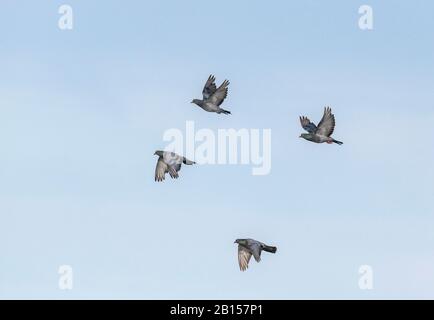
x,y
82,111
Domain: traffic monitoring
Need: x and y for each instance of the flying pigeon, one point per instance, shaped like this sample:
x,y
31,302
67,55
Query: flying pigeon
x,y
323,131
213,97
169,162
249,247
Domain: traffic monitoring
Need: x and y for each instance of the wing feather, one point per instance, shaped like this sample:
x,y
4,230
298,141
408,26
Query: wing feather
x,y
160,170
256,250
209,88
220,95
173,172
243,258
327,123
307,124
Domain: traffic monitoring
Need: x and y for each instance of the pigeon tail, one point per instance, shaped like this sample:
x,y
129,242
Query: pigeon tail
x,y
338,142
225,111
269,249
189,162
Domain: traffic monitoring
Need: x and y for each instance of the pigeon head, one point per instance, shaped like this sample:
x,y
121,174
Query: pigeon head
x,y
197,101
240,241
305,136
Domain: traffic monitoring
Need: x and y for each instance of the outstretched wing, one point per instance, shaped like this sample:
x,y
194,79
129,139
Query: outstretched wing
x,y
327,123
243,258
173,170
308,125
209,88
160,170
220,95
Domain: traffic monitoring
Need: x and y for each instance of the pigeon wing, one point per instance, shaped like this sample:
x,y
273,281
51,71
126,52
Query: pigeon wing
x,y
243,258
220,95
209,88
172,159
256,251
173,171
160,170
327,123
174,162
308,125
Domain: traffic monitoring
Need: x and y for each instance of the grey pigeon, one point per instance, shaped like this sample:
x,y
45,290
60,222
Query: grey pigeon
x,y
213,97
249,247
169,162
323,131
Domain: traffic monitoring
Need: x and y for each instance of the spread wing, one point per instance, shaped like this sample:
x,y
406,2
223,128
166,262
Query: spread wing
x,y
327,123
209,88
243,258
173,171
220,95
308,125
160,170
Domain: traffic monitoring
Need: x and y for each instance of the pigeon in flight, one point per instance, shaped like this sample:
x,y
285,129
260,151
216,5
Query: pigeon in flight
x,y
169,162
213,97
323,131
249,247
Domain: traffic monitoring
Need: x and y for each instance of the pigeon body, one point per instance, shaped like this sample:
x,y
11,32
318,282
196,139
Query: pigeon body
x,y
248,248
213,97
169,162
322,132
